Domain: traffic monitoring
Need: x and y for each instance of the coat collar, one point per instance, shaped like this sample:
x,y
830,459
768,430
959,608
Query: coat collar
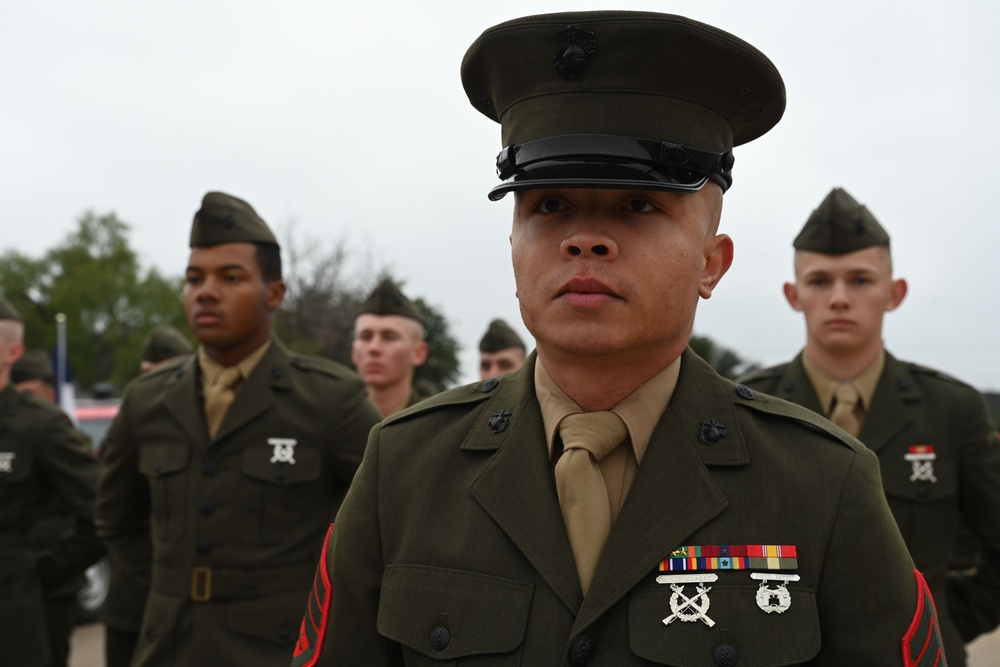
x,y
672,497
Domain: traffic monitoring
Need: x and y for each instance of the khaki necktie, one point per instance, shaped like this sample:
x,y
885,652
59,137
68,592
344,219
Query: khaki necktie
x,y
844,409
219,397
583,496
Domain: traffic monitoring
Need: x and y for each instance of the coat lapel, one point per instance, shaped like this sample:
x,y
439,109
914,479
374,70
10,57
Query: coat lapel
x,y
673,495
517,488
796,387
895,389
183,401
256,396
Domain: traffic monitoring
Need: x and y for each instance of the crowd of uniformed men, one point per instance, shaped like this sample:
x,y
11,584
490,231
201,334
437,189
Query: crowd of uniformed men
x,y
604,499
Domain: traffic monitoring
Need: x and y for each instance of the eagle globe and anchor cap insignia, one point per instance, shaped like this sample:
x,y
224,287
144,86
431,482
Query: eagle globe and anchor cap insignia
x,y
572,59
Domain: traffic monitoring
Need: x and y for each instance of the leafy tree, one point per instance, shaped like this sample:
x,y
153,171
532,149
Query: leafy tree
x,y
94,278
726,362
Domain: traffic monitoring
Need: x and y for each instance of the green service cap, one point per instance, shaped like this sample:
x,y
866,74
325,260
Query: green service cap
x,y
33,365
840,225
223,218
499,336
619,99
165,342
388,299
8,311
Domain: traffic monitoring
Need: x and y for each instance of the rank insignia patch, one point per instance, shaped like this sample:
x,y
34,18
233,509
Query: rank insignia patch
x,y
313,628
922,645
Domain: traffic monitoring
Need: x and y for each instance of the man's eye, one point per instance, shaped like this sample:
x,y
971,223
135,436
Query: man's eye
x,y
193,280
551,205
640,205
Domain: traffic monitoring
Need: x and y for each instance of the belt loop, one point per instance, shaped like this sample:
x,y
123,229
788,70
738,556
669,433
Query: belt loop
x,y
201,584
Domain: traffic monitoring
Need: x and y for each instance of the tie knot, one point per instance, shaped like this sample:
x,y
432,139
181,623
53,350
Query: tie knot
x,y
847,394
228,378
596,432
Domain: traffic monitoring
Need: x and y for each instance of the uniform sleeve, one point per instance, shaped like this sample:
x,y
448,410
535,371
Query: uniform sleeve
x,y
340,626
974,599
123,504
65,457
355,416
873,605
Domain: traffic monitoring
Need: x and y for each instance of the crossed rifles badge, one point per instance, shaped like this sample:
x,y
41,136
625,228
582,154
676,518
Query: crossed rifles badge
x,y
695,565
922,457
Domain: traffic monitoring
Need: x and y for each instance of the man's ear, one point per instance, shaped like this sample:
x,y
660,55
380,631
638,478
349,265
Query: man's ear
x,y
792,296
897,293
718,259
274,295
420,353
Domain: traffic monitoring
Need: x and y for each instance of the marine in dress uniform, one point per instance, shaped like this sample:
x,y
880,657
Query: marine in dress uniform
x,y
224,509
45,466
127,592
938,454
615,501
501,350
387,348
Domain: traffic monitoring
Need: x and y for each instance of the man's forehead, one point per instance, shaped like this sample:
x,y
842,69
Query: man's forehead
x,y
379,323
223,255
871,259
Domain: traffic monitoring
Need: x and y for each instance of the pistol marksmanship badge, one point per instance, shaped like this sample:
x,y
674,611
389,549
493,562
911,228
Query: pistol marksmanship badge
x,y
774,599
685,608
284,450
7,461
922,457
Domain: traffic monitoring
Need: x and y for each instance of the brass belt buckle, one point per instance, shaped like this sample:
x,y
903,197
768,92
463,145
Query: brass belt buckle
x,y
201,584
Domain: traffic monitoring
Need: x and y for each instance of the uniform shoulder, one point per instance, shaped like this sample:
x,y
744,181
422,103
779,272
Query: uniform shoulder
x,y
766,404
760,376
322,366
468,394
934,375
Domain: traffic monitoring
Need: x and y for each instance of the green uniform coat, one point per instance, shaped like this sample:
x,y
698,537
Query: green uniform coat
x,y
451,549
233,522
44,462
914,405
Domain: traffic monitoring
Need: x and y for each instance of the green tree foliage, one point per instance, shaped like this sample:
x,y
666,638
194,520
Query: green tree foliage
x,y
94,278
726,362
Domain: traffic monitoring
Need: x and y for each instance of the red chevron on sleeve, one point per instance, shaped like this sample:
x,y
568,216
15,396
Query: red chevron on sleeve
x,y
313,628
922,645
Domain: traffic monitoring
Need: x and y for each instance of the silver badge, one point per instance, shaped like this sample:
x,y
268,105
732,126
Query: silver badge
x,y
774,600
684,608
7,461
284,450
923,465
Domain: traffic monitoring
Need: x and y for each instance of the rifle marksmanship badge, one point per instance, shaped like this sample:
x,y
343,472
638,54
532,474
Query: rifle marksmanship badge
x,y
922,457
7,461
701,562
284,450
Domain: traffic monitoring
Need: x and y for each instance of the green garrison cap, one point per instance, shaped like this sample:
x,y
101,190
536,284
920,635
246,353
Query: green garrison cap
x,y
223,218
499,336
165,342
8,311
618,99
388,299
840,225
33,365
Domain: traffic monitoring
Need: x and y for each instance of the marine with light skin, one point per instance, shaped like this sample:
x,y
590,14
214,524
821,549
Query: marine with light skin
x,y
385,352
501,362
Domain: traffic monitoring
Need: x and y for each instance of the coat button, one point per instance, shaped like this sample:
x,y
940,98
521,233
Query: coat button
x,y
209,468
440,637
745,392
280,474
204,546
489,385
285,635
725,655
206,507
582,651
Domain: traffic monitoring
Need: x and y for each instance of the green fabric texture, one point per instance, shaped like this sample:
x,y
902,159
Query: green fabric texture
x,y
388,299
223,218
33,365
165,342
499,336
8,311
640,74
840,225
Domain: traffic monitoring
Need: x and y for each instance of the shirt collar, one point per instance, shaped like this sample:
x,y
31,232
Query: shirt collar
x,y
210,368
826,385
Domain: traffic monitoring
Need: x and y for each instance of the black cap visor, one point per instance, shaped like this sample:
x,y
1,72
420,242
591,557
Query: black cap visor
x,y
607,161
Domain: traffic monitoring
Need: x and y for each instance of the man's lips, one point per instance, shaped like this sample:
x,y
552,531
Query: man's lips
x,y
587,292
207,317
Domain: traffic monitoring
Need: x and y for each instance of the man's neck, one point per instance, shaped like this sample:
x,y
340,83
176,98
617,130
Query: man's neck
x,y
843,365
391,399
602,383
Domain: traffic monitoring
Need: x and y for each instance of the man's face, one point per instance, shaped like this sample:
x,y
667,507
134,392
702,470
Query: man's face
x,y
616,274
844,297
386,349
37,387
228,305
501,362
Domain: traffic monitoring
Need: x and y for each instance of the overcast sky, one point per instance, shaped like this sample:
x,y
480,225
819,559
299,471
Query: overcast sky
x,y
350,119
